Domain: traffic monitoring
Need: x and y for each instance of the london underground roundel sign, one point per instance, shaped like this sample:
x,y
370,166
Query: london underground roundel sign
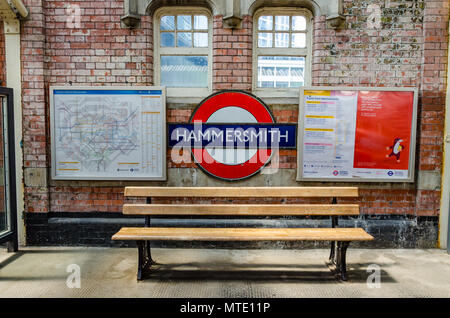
x,y
234,108
232,135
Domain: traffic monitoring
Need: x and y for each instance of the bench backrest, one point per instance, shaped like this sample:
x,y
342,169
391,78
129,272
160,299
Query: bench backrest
x,y
242,192
333,209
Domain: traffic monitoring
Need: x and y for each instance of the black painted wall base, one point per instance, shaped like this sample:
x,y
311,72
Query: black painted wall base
x,y
96,229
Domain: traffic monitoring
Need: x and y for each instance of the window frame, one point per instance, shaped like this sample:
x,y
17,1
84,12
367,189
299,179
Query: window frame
x,y
300,52
159,51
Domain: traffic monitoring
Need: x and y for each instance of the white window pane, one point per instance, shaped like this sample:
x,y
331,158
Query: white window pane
x,y
184,71
298,40
268,71
265,39
168,23
282,23
281,71
267,84
184,39
281,39
265,23
167,39
200,39
184,22
282,84
200,22
298,23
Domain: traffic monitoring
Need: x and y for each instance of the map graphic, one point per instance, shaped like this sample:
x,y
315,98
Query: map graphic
x,y
108,134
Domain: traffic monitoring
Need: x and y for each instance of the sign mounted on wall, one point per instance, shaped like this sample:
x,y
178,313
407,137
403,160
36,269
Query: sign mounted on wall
x,y
232,135
108,133
357,134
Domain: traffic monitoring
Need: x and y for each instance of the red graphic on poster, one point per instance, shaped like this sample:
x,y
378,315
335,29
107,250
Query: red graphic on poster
x,y
383,129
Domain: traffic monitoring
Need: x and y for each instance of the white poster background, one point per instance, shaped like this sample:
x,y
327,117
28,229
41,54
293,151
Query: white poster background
x,y
108,133
326,140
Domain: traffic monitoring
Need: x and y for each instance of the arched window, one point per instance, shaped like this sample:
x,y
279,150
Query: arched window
x,y
282,49
182,46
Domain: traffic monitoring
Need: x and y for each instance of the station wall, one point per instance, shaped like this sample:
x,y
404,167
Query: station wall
x,y
408,47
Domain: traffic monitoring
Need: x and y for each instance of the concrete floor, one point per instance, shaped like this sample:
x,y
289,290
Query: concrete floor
x,y
187,273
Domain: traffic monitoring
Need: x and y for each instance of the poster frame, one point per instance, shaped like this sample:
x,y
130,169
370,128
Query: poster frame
x,y
412,145
162,177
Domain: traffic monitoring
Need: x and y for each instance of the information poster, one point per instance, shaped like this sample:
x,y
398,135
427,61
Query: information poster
x,y
108,133
357,134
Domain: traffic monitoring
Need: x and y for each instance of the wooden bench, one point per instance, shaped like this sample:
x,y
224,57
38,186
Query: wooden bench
x,y
340,237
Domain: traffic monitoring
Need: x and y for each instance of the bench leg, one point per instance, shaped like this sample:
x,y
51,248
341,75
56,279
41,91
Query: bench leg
x,y
148,252
341,264
332,252
144,259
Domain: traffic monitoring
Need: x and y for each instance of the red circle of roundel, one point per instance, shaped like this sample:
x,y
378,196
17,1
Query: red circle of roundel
x,y
249,103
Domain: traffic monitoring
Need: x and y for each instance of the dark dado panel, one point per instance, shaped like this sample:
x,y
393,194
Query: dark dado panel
x,y
96,229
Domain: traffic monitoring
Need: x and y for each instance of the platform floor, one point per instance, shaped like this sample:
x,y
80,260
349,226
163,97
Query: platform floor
x,y
216,273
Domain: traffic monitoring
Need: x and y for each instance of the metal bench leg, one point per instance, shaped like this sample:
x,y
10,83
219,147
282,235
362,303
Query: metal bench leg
x,y
148,252
341,265
332,253
144,260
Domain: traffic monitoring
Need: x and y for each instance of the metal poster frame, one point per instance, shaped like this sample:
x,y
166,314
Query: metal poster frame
x,y
163,126
412,145
10,236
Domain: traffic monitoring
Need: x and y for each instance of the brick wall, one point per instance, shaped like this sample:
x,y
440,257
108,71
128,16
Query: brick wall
x,y
407,48
2,56
232,55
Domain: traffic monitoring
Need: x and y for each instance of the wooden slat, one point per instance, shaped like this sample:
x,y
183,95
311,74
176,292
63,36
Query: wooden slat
x,y
241,209
242,234
241,192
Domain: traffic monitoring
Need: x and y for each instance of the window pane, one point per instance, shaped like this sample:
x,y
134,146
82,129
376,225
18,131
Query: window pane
x,y
282,85
282,23
297,72
201,39
200,22
184,39
265,39
276,71
298,23
265,23
184,71
168,23
168,39
267,84
184,22
282,71
281,39
298,40
268,71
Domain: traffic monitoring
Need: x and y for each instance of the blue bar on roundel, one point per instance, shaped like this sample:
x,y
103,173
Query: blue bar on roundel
x,y
236,136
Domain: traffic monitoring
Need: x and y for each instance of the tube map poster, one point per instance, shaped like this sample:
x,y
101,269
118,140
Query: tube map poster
x,y
358,134
108,133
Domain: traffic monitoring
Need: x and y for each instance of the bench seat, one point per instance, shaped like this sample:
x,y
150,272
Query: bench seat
x,y
242,234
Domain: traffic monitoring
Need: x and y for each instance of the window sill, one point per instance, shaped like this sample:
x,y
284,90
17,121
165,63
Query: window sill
x,y
278,96
269,96
187,95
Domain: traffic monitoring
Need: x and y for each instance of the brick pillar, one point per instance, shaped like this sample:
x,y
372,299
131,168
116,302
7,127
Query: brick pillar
x,y
35,141
433,90
232,55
